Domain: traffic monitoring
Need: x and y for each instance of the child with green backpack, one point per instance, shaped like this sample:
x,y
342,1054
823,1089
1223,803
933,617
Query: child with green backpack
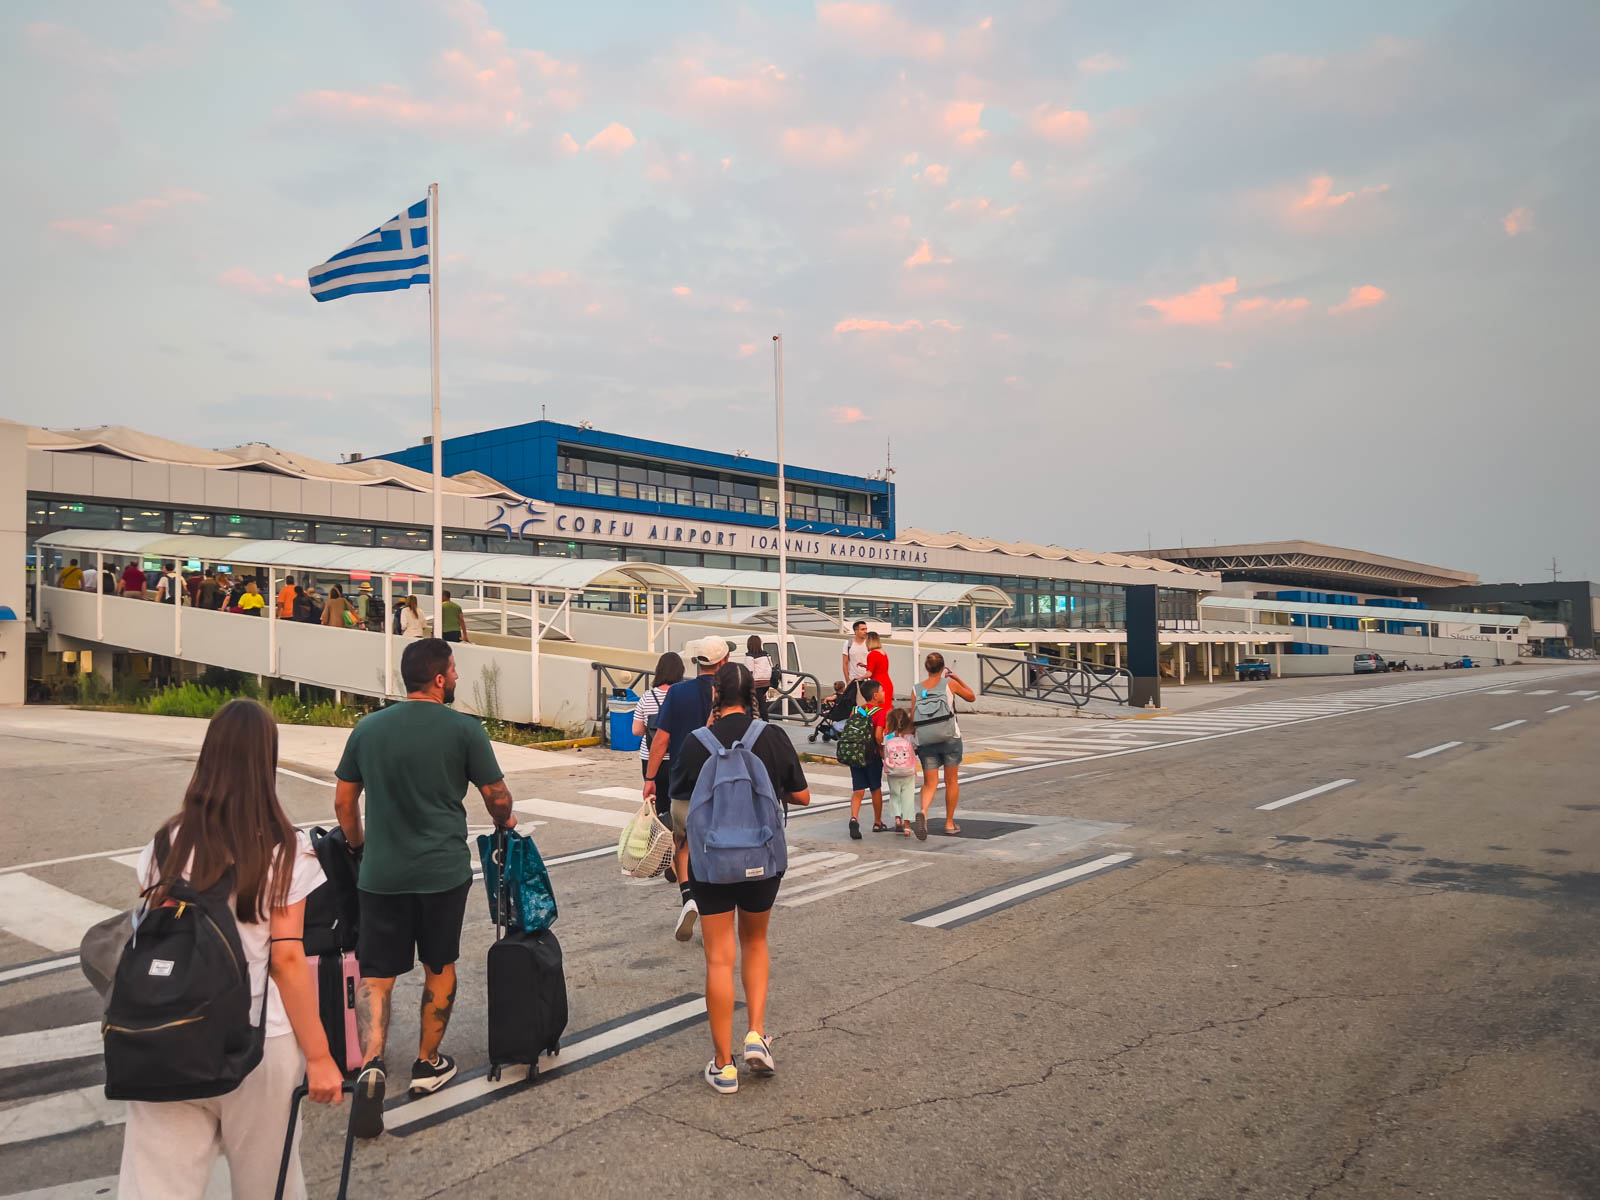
x,y
859,750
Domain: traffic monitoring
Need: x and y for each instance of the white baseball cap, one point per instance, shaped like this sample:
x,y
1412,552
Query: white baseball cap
x,y
707,651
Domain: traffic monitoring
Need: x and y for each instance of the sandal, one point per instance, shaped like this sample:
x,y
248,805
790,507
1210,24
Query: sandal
x,y
920,828
952,831
879,827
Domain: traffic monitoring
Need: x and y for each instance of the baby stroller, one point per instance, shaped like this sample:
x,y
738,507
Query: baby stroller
x,y
834,714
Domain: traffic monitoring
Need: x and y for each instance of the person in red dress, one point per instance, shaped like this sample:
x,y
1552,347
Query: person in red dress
x,y
878,668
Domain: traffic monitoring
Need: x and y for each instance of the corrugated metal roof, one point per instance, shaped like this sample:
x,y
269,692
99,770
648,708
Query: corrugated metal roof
x,y
1376,611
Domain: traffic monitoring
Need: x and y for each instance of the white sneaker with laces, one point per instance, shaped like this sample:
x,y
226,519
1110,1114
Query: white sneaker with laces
x,y
686,920
758,1055
723,1080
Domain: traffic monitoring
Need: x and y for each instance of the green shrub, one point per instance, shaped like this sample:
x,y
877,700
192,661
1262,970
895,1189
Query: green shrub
x,y
186,700
286,708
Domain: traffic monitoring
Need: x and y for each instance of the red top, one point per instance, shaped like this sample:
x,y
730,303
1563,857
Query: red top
x,y
878,669
132,578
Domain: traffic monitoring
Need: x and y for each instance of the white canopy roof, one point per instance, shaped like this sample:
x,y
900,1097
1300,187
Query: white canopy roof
x,y
856,587
1415,616
962,541
556,574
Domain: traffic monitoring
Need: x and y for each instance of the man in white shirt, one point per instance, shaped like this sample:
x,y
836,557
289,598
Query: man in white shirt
x,y
91,580
853,662
167,589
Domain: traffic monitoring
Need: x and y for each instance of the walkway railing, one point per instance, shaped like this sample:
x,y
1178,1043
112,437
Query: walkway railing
x,y
610,680
792,698
1068,682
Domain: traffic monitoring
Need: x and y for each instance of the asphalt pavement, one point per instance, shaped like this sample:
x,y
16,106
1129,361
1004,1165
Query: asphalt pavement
x,y
1319,938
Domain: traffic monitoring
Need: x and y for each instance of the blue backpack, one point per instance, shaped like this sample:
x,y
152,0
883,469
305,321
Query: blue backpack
x,y
735,824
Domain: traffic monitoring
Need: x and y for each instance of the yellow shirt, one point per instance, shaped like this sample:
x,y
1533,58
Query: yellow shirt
x,y
251,601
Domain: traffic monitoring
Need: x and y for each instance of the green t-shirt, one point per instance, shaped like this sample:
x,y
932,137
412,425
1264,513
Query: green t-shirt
x,y
415,760
452,617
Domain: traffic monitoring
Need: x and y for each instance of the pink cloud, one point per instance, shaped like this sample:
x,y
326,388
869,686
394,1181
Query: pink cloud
x,y
567,144
550,277
1319,194
112,225
1271,307
757,88
981,206
682,290
871,325
201,10
482,85
1518,220
1365,296
878,30
960,120
934,175
1019,171
845,415
923,255
241,279
821,145
613,139
941,323
748,349
1060,124
1223,364
1201,306
1099,64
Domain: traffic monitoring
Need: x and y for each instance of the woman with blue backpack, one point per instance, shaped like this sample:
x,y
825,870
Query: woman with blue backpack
x,y
737,774
225,880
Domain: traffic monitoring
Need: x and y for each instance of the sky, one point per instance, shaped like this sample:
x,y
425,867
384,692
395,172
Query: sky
x,y
1104,275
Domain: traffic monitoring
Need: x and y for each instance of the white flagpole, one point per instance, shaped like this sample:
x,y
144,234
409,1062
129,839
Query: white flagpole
x,y
438,439
783,552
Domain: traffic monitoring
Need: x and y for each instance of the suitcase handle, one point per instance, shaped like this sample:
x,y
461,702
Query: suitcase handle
x,y
500,853
300,1093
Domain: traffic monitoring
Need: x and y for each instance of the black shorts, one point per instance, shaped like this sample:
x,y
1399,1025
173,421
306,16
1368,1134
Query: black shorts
x,y
712,899
453,636
393,926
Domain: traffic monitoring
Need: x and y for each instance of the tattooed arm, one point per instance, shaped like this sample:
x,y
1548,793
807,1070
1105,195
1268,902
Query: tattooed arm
x,y
497,799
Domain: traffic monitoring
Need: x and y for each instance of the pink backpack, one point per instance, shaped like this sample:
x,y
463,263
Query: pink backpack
x,y
899,760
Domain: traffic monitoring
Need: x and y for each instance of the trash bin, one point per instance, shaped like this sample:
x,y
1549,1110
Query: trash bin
x,y
620,713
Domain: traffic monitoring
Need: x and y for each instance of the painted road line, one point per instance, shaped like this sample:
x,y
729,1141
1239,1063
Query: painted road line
x,y
1505,692
1439,749
39,966
809,864
1584,692
1558,708
1507,725
1006,895
557,810
1592,699
585,1049
104,1188
46,915
982,766
1543,692
1305,795
48,1045
829,885
63,1112
632,794
328,783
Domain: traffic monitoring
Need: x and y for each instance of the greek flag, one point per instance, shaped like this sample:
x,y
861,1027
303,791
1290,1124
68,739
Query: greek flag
x,y
394,255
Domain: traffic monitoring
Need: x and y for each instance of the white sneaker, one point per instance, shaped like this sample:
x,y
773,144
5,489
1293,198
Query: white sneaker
x,y
724,1080
686,919
758,1055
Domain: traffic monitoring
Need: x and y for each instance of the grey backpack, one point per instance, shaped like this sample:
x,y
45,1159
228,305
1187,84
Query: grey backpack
x,y
932,719
735,824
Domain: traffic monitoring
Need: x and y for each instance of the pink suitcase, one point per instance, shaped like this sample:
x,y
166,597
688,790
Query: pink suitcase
x,y
337,977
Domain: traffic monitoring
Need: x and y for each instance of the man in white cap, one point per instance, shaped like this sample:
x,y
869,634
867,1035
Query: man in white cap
x,y
685,708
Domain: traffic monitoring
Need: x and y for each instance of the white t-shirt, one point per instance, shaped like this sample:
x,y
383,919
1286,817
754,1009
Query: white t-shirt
x,y
91,580
256,937
858,659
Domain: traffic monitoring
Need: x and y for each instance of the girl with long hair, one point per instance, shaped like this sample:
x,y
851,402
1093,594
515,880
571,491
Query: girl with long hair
x,y
411,622
232,827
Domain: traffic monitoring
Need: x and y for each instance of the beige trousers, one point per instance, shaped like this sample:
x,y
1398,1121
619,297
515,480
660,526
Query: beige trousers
x,y
168,1149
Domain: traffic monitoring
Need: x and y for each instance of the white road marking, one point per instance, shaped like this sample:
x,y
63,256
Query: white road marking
x,y
1505,692
1439,749
809,864
46,915
1543,692
1507,725
47,1045
471,1090
557,810
982,766
44,966
1583,692
131,861
1305,795
63,1112
616,793
940,919
104,1188
831,885
1558,708
1592,699
308,778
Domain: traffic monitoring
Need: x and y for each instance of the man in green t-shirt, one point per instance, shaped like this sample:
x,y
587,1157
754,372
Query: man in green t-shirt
x,y
451,626
414,760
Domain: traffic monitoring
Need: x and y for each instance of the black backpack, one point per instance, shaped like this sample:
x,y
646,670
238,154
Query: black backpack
x,y
334,909
177,1024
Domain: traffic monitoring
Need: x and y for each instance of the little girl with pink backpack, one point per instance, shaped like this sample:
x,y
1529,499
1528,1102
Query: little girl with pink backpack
x,y
900,767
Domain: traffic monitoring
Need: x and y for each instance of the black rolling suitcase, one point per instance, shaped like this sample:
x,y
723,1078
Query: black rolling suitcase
x,y
288,1140
527,989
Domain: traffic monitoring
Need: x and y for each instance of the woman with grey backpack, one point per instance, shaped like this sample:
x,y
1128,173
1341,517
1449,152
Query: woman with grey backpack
x,y
939,740
735,784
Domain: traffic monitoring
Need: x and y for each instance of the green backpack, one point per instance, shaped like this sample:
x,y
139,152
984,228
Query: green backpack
x,y
855,743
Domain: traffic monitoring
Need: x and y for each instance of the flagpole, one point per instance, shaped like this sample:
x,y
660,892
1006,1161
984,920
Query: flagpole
x,y
438,441
783,550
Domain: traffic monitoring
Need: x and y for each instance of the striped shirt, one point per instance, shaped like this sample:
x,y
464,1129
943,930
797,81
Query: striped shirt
x,y
646,710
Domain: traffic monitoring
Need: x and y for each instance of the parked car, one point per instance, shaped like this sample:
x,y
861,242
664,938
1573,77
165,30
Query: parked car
x,y
1367,663
1254,668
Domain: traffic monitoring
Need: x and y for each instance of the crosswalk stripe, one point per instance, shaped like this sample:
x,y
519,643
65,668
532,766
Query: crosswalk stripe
x,y
1543,692
1584,692
633,795
558,810
47,1045
46,915
831,887
1003,897
63,1112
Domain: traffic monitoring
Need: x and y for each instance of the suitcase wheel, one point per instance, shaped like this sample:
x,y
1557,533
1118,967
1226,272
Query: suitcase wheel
x,y
494,1073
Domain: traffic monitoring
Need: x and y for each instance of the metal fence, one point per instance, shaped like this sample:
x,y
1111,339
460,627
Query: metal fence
x,y
793,696
1068,682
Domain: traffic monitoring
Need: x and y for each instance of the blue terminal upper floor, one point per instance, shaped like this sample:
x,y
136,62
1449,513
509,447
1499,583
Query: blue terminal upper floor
x,y
570,464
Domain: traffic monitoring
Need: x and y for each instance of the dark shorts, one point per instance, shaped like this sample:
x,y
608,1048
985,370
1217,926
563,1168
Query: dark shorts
x,y
395,926
453,636
712,899
868,778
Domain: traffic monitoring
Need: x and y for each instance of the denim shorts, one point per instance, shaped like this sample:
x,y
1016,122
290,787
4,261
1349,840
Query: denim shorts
x,y
868,778
940,754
